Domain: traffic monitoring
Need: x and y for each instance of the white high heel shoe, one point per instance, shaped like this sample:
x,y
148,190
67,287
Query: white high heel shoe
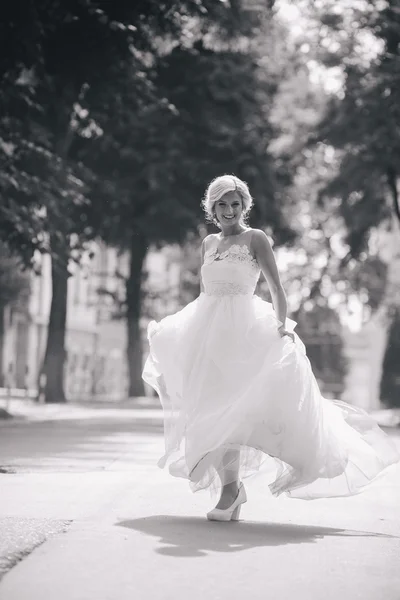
x,y
232,513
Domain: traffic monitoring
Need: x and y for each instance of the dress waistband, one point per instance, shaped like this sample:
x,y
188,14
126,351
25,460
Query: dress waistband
x,y
227,288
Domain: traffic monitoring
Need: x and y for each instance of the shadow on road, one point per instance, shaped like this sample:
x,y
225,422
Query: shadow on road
x,y
195,537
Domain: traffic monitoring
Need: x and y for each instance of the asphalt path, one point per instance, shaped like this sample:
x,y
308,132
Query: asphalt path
x,y
86,514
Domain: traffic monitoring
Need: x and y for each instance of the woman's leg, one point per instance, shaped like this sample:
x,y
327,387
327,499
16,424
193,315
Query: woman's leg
x,y
229,475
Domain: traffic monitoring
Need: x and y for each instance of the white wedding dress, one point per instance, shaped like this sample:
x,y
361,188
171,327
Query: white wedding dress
x,y
228,381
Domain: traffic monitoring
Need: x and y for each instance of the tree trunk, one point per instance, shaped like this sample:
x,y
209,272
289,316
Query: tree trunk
x,y
138,252
392,181
2,332
54,360
53,366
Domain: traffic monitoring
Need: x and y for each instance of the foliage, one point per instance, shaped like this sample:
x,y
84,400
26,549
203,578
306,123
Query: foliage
x,y
342,187
156,162
362,123
59,78
36,186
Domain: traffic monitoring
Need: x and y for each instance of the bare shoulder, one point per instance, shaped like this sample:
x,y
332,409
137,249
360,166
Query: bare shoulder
x,y
258,234
210,236
259,239
208,240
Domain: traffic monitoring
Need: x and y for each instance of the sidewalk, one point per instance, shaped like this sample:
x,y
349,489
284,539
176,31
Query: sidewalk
x,y
31,410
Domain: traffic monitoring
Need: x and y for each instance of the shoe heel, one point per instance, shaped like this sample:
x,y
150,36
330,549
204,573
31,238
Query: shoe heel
x,y
236,513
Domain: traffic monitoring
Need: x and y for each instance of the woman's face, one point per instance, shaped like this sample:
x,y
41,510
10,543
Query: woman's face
x,y
229,208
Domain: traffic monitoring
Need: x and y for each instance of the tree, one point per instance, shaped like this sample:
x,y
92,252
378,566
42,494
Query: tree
x,y
362,121
361,124
342,165
206,127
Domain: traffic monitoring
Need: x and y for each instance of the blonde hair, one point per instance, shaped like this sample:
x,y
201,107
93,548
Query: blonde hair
x,y
220,186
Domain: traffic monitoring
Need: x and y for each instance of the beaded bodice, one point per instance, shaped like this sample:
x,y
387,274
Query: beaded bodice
x,y
233,272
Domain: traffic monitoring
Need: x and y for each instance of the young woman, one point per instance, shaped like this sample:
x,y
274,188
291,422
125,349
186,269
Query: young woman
x,y
237,388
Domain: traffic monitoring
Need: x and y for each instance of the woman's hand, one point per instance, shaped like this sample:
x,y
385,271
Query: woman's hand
x,y
282,332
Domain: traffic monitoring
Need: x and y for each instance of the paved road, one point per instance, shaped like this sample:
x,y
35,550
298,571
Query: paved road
x,y
119,528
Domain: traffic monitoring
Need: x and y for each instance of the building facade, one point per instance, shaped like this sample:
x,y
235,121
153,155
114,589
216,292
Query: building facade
x,y
96,338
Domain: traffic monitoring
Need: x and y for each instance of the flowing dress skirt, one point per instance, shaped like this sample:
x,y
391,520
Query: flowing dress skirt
x,y
228,381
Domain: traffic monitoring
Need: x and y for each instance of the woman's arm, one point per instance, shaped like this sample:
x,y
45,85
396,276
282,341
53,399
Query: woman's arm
x,y
266,259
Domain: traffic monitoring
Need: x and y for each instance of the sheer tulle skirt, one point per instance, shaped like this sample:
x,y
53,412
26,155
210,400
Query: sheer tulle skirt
x,y
238,400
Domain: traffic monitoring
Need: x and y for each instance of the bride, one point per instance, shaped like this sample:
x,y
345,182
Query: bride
x,y
237,389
